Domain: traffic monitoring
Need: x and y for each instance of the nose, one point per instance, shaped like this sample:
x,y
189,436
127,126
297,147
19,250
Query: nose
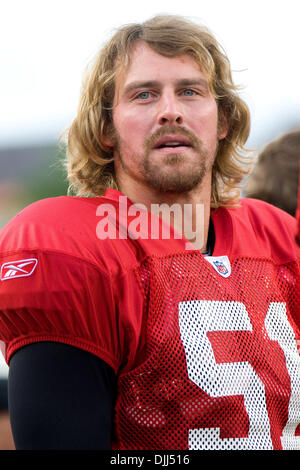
x,y
170,111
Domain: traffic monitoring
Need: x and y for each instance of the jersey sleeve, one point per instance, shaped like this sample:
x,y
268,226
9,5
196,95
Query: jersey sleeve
x,y
49,294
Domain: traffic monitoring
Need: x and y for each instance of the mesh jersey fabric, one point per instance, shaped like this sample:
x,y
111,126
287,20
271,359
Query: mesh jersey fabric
x,y
205,352
298,213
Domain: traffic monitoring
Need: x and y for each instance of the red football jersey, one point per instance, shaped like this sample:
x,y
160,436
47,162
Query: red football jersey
x,y
205,347
298,215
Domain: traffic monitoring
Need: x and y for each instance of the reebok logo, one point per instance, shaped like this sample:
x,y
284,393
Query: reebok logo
x,y
14,269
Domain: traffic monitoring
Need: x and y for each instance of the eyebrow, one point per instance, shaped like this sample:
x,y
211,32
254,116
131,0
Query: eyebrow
x,y
156,84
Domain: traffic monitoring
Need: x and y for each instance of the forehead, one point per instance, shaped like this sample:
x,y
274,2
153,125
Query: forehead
x,y
146,64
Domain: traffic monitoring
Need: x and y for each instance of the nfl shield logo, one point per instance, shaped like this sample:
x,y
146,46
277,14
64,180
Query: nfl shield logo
x,y
220,267
221,264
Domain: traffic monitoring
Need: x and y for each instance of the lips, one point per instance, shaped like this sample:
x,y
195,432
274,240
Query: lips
x,y
172,142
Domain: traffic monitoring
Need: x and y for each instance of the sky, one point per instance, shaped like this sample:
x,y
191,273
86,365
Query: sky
x,y
45,46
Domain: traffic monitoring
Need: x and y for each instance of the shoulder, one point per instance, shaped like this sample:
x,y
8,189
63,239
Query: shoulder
x,y
81,227
55,278
268,228
65,225
52,210
265,214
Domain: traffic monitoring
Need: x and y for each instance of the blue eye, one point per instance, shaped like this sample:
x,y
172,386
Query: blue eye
x,y
144,95
188,92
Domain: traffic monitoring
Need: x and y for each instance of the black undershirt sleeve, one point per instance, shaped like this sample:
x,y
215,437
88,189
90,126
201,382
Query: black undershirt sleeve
x,y
60,397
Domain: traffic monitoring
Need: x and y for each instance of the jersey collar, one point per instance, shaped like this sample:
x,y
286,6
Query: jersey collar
x,y
220,218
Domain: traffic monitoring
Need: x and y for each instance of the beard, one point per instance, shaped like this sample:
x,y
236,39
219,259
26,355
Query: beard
x,y
175,172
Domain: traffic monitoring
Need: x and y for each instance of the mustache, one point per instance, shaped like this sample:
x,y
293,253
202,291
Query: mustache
x,y
169,130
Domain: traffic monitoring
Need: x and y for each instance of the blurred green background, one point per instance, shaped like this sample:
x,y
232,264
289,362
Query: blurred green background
x,y
28,174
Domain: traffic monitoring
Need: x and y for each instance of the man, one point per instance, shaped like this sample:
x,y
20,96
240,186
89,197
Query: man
x,y
129,320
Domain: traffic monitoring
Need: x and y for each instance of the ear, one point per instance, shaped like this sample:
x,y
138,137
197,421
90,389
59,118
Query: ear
x,y
222,124
108,139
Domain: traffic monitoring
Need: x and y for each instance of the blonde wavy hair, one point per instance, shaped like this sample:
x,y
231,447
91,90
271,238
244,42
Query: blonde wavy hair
x,y
89,161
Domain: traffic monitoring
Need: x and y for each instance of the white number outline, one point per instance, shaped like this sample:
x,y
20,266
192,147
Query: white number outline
x,y
284,334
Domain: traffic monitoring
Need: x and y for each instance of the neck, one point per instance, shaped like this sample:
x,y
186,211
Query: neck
x,y
188,213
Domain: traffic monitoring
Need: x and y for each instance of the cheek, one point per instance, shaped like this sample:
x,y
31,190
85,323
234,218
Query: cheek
x,y
131,128
131,136
207,131
203,113
208,120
